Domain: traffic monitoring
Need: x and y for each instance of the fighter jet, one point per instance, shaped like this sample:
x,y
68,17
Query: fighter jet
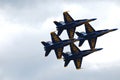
x,y
70,24
76,55
91,35
57,45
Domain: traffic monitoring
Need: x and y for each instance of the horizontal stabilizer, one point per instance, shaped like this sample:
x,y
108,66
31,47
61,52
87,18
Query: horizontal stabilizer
x,y
81,38
47,52
81,42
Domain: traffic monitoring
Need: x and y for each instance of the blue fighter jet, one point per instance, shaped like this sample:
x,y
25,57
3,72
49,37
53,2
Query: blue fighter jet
x,y
57,44
76,55
91,35
70,24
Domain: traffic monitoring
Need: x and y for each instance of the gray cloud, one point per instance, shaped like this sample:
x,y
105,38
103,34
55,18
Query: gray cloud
x,y
30,12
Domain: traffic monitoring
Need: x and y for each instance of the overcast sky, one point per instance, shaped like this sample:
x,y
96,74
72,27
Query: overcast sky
x,y
25,23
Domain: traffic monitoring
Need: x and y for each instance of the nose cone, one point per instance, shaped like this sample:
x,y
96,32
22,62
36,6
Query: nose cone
x,y
89,20
114,29
77,33
98,49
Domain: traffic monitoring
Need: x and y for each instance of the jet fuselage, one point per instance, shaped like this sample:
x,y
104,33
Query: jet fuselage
x,y
59,44
70,25
81,54
74,24
97,33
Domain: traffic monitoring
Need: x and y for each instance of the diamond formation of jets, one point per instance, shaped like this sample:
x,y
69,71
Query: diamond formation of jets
x,y
75,54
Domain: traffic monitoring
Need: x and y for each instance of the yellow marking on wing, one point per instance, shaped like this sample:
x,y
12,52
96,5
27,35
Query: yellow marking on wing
x,y
74,48
78,68
93,43
59,54
78,63
71,33
55,37
89,27
68,17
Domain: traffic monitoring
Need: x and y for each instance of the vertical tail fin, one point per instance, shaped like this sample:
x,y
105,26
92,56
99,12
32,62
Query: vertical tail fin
x,y
65,55
44,43
59,27
79,34
47,50
57,23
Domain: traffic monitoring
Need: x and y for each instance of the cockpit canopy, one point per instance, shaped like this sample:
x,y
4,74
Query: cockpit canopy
x,y
84,33
61,22
49,42
68,53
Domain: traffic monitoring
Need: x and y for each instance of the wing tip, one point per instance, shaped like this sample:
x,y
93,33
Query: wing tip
x,y
52,32
78,68
65,66
66,12
59,58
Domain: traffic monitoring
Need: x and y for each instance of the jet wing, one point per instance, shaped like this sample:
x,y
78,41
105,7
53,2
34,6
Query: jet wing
x,y
59,52
78,63
88,28
55,38
92,43
67,17
71,32
74,48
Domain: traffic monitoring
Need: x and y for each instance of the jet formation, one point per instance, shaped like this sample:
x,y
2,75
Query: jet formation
x,y
75,54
